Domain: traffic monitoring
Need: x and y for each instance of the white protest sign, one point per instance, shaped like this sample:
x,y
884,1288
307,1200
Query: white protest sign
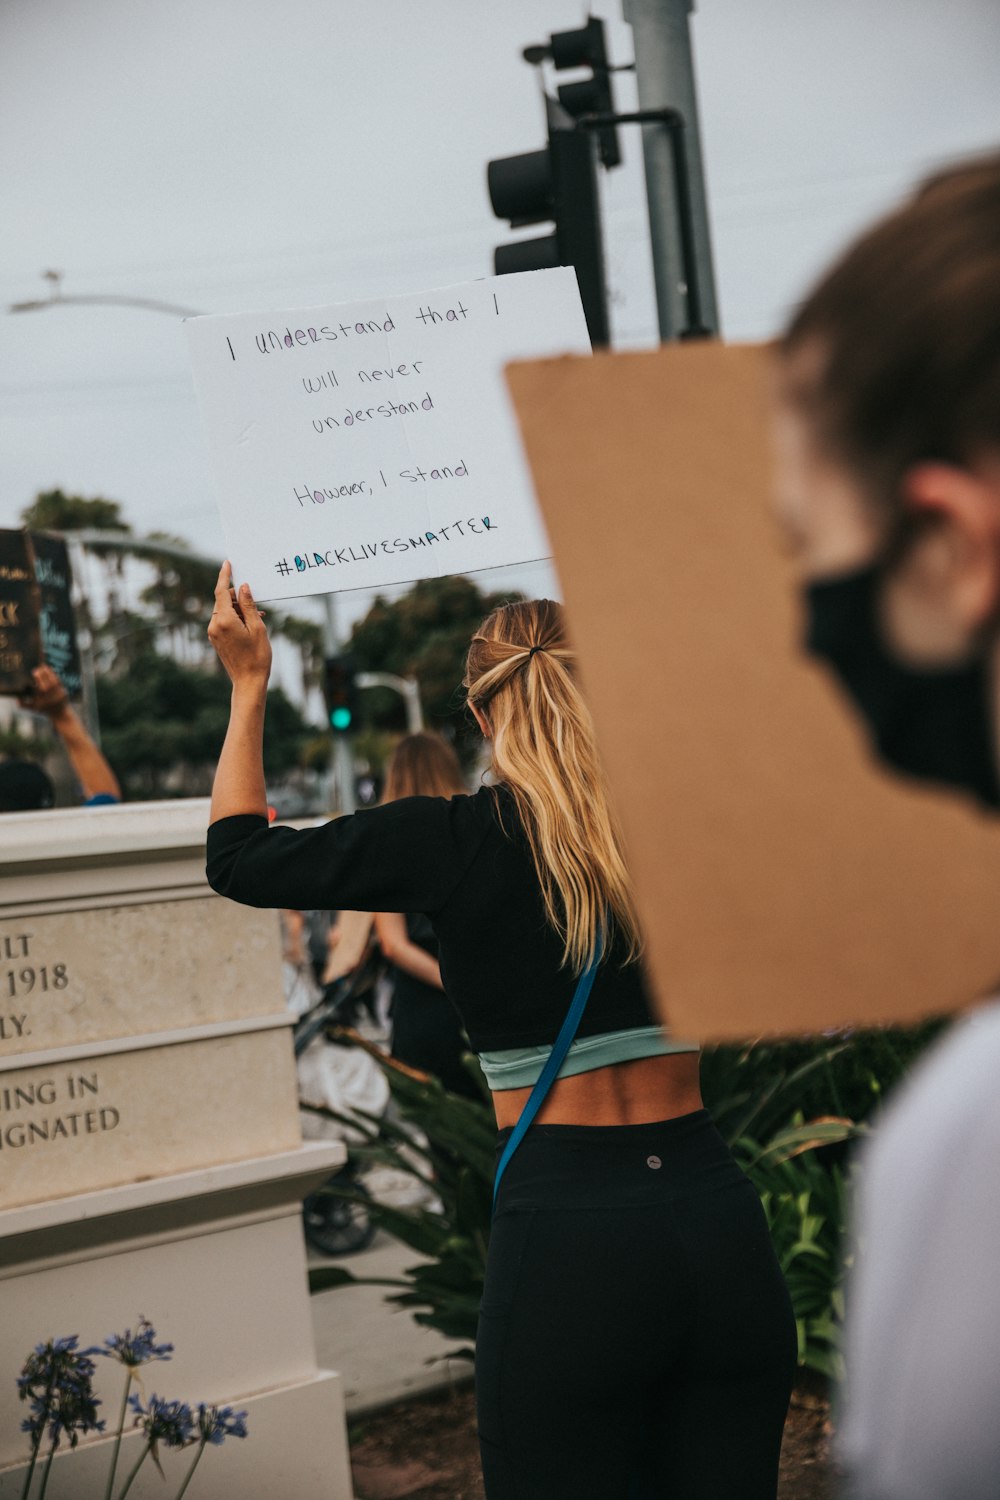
x,y
369,443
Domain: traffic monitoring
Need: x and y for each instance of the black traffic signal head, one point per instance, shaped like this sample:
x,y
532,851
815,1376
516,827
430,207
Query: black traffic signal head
x,y
340,689
522,190
586,48
557,184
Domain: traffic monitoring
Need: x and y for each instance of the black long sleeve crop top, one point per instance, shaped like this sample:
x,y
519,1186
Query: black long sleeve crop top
x,y
463,861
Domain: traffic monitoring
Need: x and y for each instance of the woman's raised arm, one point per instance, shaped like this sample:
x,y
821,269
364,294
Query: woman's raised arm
x,y
239,636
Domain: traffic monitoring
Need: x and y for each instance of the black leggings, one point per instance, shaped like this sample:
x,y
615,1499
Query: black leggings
x,y
636,1339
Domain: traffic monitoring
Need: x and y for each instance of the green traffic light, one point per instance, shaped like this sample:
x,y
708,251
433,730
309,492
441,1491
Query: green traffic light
x,y
340,718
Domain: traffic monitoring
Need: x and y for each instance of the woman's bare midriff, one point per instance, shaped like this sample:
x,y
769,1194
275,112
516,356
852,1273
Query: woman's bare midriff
x,y
626,1093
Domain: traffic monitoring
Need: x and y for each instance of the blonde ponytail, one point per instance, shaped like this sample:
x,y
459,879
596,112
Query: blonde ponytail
x,y
520,675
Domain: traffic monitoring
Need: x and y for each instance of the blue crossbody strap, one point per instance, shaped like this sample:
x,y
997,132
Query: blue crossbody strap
x,y
553,1063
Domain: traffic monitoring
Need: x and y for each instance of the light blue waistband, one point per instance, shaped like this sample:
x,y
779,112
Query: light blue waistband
x,y
519,1067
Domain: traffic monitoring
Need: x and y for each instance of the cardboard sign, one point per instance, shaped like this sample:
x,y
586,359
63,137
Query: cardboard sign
x,y
372,443
786,883
58,620
20,628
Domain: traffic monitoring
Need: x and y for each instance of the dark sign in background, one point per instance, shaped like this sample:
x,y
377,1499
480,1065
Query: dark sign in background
x,y
20,613
58,623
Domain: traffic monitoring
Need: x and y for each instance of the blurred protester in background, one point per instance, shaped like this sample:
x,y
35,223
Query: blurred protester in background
x,y
889,489
25,786
426,1030
302,990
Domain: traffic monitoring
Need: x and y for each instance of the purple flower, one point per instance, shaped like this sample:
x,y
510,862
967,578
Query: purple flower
x,y
167,1422
56,1381
216,1423
134,1349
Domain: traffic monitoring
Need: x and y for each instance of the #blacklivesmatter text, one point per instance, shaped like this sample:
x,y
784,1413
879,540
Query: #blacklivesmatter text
x,y
366,551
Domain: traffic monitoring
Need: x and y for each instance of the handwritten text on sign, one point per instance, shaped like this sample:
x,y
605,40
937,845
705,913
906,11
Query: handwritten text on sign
x,y
371,443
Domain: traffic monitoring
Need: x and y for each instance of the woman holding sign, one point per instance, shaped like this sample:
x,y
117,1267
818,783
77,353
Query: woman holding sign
x,y
636,1337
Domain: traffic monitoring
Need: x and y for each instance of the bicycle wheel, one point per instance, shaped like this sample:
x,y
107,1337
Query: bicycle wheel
x,y
335,1225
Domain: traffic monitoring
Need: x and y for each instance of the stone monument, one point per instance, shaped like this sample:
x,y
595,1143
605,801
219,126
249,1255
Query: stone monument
x,y
151,1162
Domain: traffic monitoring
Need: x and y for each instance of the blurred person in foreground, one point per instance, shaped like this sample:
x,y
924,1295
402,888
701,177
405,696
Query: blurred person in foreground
x,y
636,1338
426,1029
26,786
889,490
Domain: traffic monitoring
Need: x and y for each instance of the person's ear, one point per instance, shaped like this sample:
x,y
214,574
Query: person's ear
x,y
482,721
956,563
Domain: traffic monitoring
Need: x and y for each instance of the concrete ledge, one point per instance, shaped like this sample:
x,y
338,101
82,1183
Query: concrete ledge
x,y
38,1236
100,833
148,1041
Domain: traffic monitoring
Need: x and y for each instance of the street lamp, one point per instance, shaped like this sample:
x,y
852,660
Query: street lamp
x,y
57,299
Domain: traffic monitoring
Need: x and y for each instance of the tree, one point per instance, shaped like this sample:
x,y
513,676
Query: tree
x,y
181,597
54,510
163,724
307,635
163,699
424,634
176,604
122,640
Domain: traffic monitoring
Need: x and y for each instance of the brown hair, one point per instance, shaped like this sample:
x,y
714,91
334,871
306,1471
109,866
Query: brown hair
x,y
520,673
422,765
895,355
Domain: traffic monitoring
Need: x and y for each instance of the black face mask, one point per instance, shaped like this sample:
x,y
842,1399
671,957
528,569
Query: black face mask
x,y
933,724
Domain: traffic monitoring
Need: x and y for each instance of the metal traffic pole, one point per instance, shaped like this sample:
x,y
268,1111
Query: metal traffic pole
x,y
665,76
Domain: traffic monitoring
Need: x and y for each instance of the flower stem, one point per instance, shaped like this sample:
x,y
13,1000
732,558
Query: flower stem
x,y
187,1479
31,1467
36,1445
118,1436
48,1466
128,1482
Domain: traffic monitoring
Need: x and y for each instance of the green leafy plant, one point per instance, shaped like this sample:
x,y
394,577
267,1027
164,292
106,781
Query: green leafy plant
x,y
451,1152
752,1088
806,1203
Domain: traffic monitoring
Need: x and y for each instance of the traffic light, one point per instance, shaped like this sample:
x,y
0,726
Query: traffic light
x,y
586,48
557,183
340,689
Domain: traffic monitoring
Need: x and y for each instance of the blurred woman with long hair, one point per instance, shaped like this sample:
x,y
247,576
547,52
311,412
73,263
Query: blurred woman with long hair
x,y
426,1029
635,1335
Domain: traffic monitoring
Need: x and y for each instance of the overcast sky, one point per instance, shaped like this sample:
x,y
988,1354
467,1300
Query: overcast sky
x,y
232,155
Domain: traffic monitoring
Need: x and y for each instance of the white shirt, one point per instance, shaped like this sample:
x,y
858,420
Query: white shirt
x,y
921,1418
